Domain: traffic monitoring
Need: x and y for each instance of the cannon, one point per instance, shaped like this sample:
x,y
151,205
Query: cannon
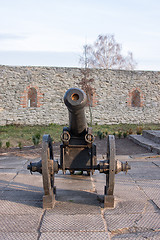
x,y
77,152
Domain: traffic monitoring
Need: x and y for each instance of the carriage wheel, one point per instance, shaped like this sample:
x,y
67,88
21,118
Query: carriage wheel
x,y
47,172
110,176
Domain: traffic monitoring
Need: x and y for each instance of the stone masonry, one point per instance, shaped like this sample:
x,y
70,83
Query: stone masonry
x,y
114,98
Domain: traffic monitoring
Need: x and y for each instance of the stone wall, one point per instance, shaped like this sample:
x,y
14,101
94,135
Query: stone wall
x,y
113,95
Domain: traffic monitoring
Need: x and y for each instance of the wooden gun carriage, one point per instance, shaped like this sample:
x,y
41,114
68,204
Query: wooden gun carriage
x,y
77,152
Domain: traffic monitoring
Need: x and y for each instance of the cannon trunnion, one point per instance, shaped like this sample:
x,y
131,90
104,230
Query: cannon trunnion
x,y
77,152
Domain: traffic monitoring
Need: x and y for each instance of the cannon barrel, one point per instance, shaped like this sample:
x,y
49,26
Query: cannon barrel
x,y
75,99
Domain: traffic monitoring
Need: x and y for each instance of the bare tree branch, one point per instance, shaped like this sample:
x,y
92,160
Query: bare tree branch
x,y
106,53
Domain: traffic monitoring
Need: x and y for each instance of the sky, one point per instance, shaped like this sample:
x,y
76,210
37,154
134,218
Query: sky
x,y
53,32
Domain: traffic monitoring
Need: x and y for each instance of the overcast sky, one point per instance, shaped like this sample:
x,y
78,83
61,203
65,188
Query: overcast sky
x,y
53,32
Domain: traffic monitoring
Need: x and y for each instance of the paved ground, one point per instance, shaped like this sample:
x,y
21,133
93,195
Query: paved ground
x,y
79,212
124,146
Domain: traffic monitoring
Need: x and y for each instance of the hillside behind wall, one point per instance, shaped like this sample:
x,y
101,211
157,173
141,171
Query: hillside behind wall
x,y
113,98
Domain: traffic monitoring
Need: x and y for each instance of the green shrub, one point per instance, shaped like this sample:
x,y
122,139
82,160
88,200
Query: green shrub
x,y
0,144
38,135
119,135
36,139
20,145
7,144
100,134
106,133
125,134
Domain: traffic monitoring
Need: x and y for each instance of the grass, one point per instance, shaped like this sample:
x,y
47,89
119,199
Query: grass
x,y
115,129
15,134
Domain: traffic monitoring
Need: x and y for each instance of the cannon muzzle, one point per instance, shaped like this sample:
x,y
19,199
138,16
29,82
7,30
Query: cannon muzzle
x,y
75,99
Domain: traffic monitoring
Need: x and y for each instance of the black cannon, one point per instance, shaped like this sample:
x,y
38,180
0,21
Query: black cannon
x,y
77,152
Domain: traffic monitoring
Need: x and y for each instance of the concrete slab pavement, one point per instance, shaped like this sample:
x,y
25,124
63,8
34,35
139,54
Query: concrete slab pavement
x,y
79,212
149,139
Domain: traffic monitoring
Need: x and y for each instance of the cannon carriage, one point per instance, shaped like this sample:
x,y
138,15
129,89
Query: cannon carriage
x,y
77,152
